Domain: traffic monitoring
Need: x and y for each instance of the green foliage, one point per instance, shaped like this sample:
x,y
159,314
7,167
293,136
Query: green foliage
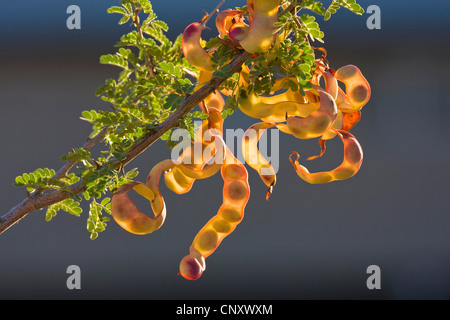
x,y
69,205
153,79
43,179
347,4
96,222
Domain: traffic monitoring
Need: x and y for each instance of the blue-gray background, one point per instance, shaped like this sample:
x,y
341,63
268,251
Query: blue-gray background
x,y
307,242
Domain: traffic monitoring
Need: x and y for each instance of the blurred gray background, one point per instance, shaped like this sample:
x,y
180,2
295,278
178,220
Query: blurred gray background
x,y
308,241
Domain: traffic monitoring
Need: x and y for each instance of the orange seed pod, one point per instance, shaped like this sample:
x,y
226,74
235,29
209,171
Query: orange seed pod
x,y
357,88
260,36
236,192
318,122
192,49
353,157
254,158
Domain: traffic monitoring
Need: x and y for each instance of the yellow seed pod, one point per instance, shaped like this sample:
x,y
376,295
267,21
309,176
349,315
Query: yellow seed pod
x,y
357,87
318,122
254,158
125,212
236,192
274,108
192,49
195,156
260,36
353,157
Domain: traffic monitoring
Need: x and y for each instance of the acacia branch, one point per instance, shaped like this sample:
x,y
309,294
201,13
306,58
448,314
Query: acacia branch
x,y
39,199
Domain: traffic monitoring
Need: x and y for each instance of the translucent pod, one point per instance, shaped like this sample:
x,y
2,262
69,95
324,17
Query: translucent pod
x,y
236,192
350,119
357,88
288,95
331,84
254,158
318,122
192,266
353,157
192,49
210,169
226,19
337,124
214,101
195,156
342,102
125,212
274,108
260,36
238,31
329,134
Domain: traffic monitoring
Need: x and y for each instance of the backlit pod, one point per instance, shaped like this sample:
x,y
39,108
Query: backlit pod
x,y
357,88
260,36
238,31
353,157
317,123
129,217
274,108
226,19
125,212
331,87
350,119
192,49
195,155
331,84
236,192
288,95
253,157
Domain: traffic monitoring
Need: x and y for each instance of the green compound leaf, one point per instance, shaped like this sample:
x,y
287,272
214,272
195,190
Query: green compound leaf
x,y
115,60
69,205
347,4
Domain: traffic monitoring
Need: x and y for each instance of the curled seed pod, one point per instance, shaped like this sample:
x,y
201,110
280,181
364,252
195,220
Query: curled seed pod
x,y
274,108
254,158
350,119
210,169
238,31
260,36
331,84
329,134
192,49
236,192
128,216
353,157
356,86
226,19
197,155
342,102
318,122
125,212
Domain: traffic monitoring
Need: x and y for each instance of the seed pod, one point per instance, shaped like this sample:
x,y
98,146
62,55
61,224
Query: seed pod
x,y
236,192
125,212
317,123
260,36
197,155
353,157
356,86
192,49
254,158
